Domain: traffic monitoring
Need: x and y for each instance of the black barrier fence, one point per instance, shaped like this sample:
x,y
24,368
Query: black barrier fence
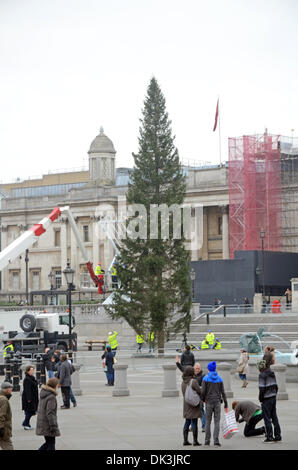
x,y
13,371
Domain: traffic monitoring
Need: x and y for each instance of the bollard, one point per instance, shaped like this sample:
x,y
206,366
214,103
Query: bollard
x,y
15,375
38,365
120,383
8,368
75,380
280,374
43,377
170,383
224,371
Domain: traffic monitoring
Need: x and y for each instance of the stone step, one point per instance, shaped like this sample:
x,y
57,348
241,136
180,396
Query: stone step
x,y
249,318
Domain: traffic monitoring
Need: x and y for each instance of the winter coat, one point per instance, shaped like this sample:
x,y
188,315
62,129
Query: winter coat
x,y
267,385
243,363
246,409
187,359
213,389
30,394
47,360
65,369
191,412
109,360
46,424
5,416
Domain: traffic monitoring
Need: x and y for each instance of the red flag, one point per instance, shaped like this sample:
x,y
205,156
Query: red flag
x,y
216,117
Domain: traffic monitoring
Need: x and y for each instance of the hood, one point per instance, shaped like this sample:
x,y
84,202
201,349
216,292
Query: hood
x,y
46,390
187,353
186,380
212,377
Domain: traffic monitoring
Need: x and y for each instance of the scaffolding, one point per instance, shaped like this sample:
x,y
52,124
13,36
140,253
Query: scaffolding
x,y
255,193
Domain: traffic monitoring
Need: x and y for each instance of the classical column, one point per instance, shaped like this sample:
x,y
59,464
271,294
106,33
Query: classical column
x,y
95,241
4,272
205,234
225,232
63,252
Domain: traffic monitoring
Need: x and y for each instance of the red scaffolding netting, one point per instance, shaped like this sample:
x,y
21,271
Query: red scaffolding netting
x,y
255,196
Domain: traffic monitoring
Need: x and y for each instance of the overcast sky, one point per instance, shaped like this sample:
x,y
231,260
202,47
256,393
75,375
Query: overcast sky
x,y
68,67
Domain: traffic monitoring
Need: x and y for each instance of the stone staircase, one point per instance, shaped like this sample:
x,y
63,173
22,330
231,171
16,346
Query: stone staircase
x,y
229,329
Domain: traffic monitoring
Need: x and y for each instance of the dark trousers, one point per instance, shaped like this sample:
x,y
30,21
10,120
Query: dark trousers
x,y
66,396
49,444
270,417
28,415
212,409
250,430
192,422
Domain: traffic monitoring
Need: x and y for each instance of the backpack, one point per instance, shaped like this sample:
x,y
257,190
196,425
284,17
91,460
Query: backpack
x,y
191,397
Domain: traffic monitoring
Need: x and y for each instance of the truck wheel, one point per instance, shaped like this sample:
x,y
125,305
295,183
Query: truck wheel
x,y
62,346
28,323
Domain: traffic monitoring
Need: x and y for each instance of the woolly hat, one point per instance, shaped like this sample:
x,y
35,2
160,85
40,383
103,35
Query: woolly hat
x,y
6,385
211,366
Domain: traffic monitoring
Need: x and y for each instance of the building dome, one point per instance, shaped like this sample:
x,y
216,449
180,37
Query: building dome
x,y
102,144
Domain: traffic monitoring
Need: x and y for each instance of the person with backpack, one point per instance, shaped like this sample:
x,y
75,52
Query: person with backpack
x,y
191,405
213,393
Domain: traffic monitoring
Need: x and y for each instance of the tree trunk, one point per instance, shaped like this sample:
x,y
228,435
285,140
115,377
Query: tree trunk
x,y
160,342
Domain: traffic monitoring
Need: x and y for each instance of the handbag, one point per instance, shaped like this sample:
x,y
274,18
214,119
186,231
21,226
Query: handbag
x,y
191,397
229,425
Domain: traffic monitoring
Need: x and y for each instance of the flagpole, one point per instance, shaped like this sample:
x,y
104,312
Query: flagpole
x,y
219,136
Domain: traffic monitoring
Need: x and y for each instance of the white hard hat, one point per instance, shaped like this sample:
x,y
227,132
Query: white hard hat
x,y
110,332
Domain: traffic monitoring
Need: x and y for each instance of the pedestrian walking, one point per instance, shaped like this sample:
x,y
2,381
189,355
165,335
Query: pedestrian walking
x,y
242,368
212,394
47,425
267,396
29,397
65,369
47,359
251,414
5,416
190,413
109,361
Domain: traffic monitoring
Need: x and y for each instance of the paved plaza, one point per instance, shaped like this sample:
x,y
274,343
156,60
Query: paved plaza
x,y
144,420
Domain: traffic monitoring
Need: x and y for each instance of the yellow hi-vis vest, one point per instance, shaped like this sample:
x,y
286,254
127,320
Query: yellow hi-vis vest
x,y
113,271
217,345
140,339
210,338
151,337
113,340
98,270
7,348
204,345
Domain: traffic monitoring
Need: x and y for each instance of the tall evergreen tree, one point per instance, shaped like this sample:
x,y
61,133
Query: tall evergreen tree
x,y
154,292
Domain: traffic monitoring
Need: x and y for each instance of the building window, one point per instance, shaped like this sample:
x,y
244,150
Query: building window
x,y
35,280
57,240
58,279
86,233
15,280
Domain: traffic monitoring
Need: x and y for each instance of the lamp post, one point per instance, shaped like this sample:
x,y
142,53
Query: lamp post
x,y
193,277
51,277
69,277
262,236
27,277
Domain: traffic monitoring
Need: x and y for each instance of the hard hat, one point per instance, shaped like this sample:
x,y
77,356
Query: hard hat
x,y
99,262
110,332
209,331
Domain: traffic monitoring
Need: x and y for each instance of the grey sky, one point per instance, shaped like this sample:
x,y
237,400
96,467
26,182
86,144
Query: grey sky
x,y
69,66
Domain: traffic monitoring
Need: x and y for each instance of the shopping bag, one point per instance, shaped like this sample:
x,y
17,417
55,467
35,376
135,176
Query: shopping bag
x,y
229,425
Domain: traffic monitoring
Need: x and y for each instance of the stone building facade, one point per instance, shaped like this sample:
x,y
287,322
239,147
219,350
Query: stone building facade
x,y
23,204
